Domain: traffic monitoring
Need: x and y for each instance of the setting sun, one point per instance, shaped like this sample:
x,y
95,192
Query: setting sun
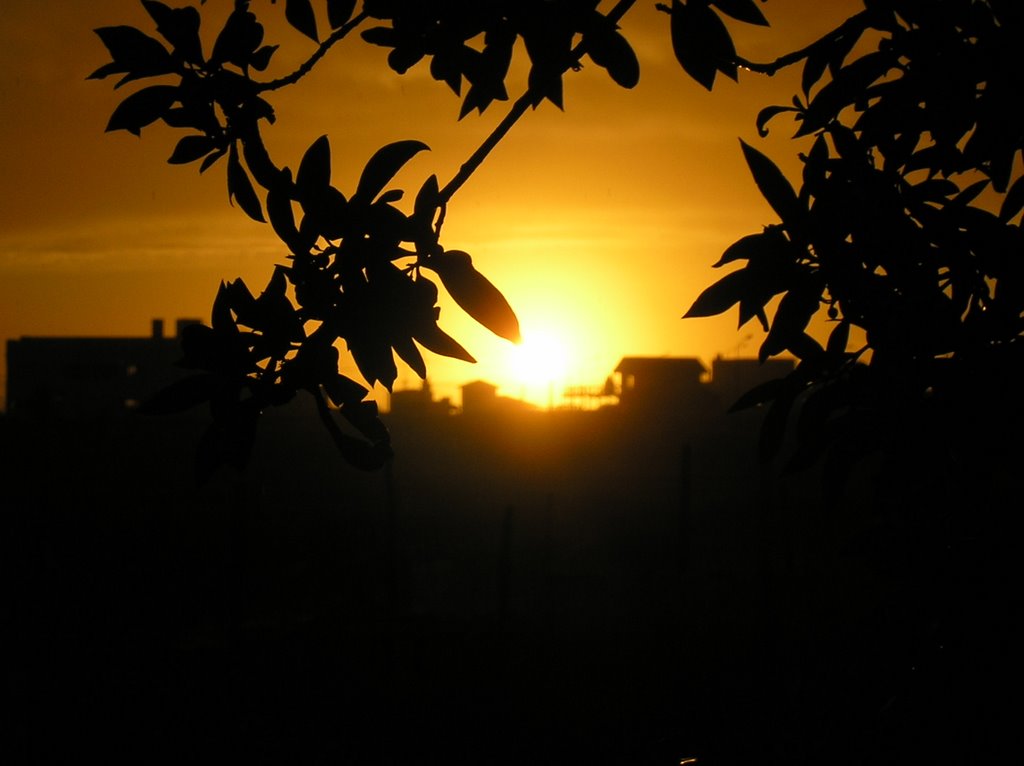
x,y
538,366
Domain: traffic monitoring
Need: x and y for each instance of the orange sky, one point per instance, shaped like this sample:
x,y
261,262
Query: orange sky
x,y
598,223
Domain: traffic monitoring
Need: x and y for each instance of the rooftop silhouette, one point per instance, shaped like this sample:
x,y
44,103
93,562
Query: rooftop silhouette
x,y
83,377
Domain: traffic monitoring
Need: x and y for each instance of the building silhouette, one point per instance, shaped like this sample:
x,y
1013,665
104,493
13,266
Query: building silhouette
x,y
660,382
414,402
89,377
94,377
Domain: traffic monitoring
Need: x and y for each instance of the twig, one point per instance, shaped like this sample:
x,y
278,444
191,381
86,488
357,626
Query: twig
x,y
770,68
858,22
338,34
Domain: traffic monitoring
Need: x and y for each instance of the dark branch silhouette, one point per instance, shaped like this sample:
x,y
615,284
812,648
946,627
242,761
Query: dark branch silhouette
x,y
336,36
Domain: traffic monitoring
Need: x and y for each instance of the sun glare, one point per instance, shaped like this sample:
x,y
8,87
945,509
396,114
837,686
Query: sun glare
x,y
538,366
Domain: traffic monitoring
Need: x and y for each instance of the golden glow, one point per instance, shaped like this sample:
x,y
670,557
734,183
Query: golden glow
x,y
599,223
537,368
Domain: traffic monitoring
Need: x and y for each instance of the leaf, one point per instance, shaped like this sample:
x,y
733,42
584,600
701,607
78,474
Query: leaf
x,y
701,42
272,313
742,10
795,311
385,37
212,158
767,114
721,296
433,338
366,455
847,87
261,58
191,148
326,214
814,67
751,308
1013,203
238,40
475,294
968,195
339,12
935,190
373,357
408,353
282,217
445,69
815,173
609,49
404,58
133,52
365,417
314,169
342,389
489,69
837,339
180,27
806,349
382,167
142,108
299,14
428,200
237,297
548,41
774,186
221,321
545,83
747,248
240,188
386,223
393,195
108,69
192,114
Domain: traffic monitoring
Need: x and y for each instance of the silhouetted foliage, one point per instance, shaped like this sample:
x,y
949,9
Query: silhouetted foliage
x,y
357,263
902,234
901,238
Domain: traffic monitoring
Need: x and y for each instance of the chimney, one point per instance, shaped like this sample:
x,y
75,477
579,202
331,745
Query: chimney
x,y
158,329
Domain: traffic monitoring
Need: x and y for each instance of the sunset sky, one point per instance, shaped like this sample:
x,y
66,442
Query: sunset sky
x,y
599,223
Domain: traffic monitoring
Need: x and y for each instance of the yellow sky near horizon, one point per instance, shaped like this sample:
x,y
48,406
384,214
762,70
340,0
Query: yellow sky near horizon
x,y
598,223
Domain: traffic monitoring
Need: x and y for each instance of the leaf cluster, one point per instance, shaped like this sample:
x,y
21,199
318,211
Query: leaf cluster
x,y
904,228
701,40
357,264
468,42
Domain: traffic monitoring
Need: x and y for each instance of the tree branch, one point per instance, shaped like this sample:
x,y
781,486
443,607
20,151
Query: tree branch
x,y
856,23
338,34
524,102
859,20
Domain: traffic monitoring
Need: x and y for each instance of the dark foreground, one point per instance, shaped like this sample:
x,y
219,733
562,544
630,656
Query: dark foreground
x,y
546,590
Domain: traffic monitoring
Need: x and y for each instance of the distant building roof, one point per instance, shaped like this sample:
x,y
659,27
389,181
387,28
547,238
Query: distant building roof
x,y
663,384
480,386
659,365
86,377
